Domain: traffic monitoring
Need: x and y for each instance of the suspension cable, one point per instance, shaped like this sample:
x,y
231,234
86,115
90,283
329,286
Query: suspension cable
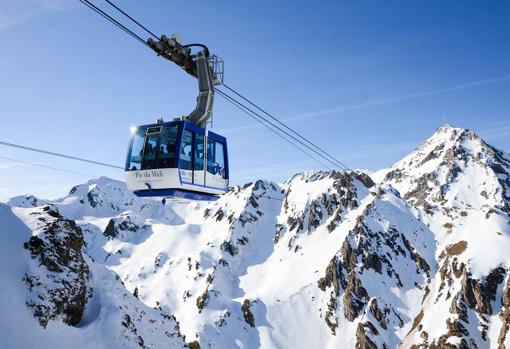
x,y
132,19
281,130
113,21
255,117
48,167
338,162
37,150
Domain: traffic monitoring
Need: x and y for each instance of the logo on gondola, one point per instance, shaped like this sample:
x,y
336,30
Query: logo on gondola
x,y
149,174
219,170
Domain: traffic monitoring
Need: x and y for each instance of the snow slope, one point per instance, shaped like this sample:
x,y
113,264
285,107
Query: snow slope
x,y
326,260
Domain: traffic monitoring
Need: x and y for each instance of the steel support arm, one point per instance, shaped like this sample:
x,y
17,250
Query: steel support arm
x,y
196,65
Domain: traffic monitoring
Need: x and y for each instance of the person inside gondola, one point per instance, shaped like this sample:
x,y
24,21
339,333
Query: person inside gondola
x,y
149,156
167,155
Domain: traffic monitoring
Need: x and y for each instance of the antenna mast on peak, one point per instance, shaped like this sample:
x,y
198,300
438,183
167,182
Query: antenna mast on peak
x,y
445,123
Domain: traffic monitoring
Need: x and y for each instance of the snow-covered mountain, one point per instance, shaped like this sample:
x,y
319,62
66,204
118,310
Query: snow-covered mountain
x,y
415,257
460,187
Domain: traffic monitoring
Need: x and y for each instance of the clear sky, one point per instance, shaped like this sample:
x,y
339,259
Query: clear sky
x,y
366,80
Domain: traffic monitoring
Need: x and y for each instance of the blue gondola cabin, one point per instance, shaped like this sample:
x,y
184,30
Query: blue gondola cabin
x,y
177,159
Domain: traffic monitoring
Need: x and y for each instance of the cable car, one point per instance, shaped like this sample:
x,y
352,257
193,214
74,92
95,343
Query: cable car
x,y
181,158
177,159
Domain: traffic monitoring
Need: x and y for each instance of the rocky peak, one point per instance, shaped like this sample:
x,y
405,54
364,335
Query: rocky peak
x,y
451,163
316,197
460,188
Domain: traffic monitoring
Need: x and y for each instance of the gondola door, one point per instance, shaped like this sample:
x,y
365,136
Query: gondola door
x,y
186,157
192,158
199,159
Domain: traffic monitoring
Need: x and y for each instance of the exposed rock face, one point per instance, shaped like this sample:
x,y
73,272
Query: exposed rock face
x,y
62,292
374,247
480,293
475,295
504,315
247,313
202,300
333,277
122,227
329,207
363,341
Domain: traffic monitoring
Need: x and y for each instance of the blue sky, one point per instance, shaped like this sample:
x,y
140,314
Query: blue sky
x,y
366,80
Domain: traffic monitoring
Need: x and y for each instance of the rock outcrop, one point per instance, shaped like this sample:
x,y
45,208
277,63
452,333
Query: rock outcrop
x,y
59,292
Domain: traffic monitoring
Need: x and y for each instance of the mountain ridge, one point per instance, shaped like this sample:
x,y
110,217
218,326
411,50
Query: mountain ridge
x,y
325,259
